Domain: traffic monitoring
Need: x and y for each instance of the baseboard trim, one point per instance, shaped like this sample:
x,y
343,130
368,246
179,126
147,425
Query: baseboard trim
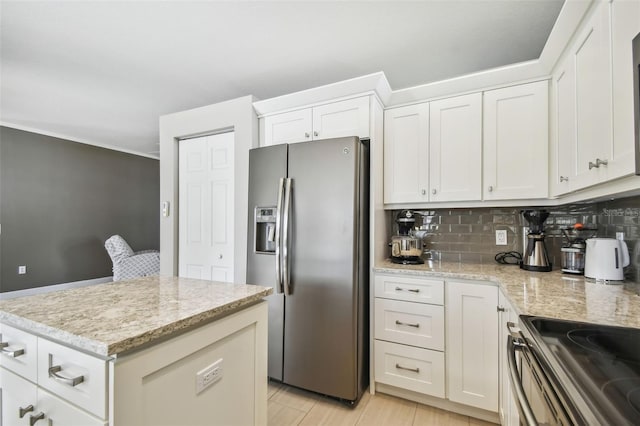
x,y
443,404
55,287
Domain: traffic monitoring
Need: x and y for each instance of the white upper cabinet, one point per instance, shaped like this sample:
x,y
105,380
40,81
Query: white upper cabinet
x,y
406,154
516,142
455,148
344,118
625,21
564,94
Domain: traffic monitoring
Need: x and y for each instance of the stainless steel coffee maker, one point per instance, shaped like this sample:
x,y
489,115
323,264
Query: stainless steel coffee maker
x,y
535,257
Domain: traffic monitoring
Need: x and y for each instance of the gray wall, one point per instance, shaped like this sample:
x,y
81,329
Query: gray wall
x,y
59,202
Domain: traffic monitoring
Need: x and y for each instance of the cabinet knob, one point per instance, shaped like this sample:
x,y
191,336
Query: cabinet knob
x,y
424,192
600,162
433,191
306,134
593,165
34,419
490,189
25,410
220,256
501,309
564,179
315,133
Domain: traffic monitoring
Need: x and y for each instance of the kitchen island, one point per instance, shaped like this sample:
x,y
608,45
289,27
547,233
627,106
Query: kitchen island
x,y
155,350
548,294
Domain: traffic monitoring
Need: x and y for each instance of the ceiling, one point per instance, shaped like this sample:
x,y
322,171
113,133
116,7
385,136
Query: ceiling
x,y
102,72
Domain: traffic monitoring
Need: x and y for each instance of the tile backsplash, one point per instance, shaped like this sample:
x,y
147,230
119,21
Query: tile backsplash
x,y
469,235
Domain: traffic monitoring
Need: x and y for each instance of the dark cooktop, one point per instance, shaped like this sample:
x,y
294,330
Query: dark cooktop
x,y
603,362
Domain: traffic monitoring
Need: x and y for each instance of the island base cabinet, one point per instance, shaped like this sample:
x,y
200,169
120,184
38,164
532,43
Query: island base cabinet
x,y
158,385
472,344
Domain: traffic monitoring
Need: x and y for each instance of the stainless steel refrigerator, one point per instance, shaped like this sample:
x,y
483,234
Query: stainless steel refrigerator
x,y
308,238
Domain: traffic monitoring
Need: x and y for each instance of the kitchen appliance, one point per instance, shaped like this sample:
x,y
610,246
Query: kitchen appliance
x,y
406,247
605,259
308,238
636,96
573,250
574,373
535,257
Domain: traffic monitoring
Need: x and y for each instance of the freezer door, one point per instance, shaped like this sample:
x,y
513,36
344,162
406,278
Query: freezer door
x,y
321,321
266,167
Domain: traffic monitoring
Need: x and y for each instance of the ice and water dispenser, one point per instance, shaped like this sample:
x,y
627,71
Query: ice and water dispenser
x,y
265,229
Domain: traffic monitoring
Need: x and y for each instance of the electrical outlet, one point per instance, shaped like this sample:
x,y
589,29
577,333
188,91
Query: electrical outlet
x,y
22,270
208,376
501,237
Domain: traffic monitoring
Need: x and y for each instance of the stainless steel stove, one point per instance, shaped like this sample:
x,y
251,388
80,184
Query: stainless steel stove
x,y
576,373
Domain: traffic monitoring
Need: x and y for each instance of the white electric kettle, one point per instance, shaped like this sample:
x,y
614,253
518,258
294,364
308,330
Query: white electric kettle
x,y
605,259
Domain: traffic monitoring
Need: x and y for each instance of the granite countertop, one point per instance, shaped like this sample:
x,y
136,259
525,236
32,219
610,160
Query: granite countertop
x,y
549,294
111,318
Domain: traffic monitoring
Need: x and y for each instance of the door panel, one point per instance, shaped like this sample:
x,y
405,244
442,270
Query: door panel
x,y
320,346
266,166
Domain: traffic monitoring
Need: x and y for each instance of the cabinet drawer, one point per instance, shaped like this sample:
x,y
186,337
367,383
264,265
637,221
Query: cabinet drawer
x,y
20,354
414,324
60,412
89,394
415,369
419,290
17,395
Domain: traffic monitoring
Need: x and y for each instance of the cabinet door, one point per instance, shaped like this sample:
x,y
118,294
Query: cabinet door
x,y
17,395
625,25
508,411
406,154
516,142
591,54
288,127
564,81
455,148
345,118
472,344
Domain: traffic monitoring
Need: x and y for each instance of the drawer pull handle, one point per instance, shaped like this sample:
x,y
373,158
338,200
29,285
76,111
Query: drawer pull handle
x,y
34,419
25,410
407,324
413,290
415,370
5,350
55,369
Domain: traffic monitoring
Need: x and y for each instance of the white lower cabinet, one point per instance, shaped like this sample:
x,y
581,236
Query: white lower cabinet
x,y
472,344
439,339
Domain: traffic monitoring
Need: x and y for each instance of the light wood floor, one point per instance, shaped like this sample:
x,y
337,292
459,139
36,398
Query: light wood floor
x,y
291,406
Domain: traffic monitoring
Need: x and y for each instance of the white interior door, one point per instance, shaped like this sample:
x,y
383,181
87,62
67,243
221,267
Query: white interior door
x,y
206,217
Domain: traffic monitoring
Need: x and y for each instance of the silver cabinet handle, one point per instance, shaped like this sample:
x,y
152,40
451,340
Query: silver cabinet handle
x,y
592,165
434,191
407,324
501,309
424,192
220,256
564,179
34,419
4,346
55,369
25,410
278,288
306,134
315,133
413,290
286,277
600,162
490,189
415,370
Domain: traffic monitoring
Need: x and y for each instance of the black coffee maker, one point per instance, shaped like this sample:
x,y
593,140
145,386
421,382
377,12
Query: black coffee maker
x,y
535,257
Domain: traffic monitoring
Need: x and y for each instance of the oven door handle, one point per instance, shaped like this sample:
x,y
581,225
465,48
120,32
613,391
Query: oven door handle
x,y
524,408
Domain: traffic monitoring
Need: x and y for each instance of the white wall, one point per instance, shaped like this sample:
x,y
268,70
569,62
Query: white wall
x,y
237,115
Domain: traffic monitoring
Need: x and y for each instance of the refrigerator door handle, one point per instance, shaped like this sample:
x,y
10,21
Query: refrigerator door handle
x,y
285,238
279,288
